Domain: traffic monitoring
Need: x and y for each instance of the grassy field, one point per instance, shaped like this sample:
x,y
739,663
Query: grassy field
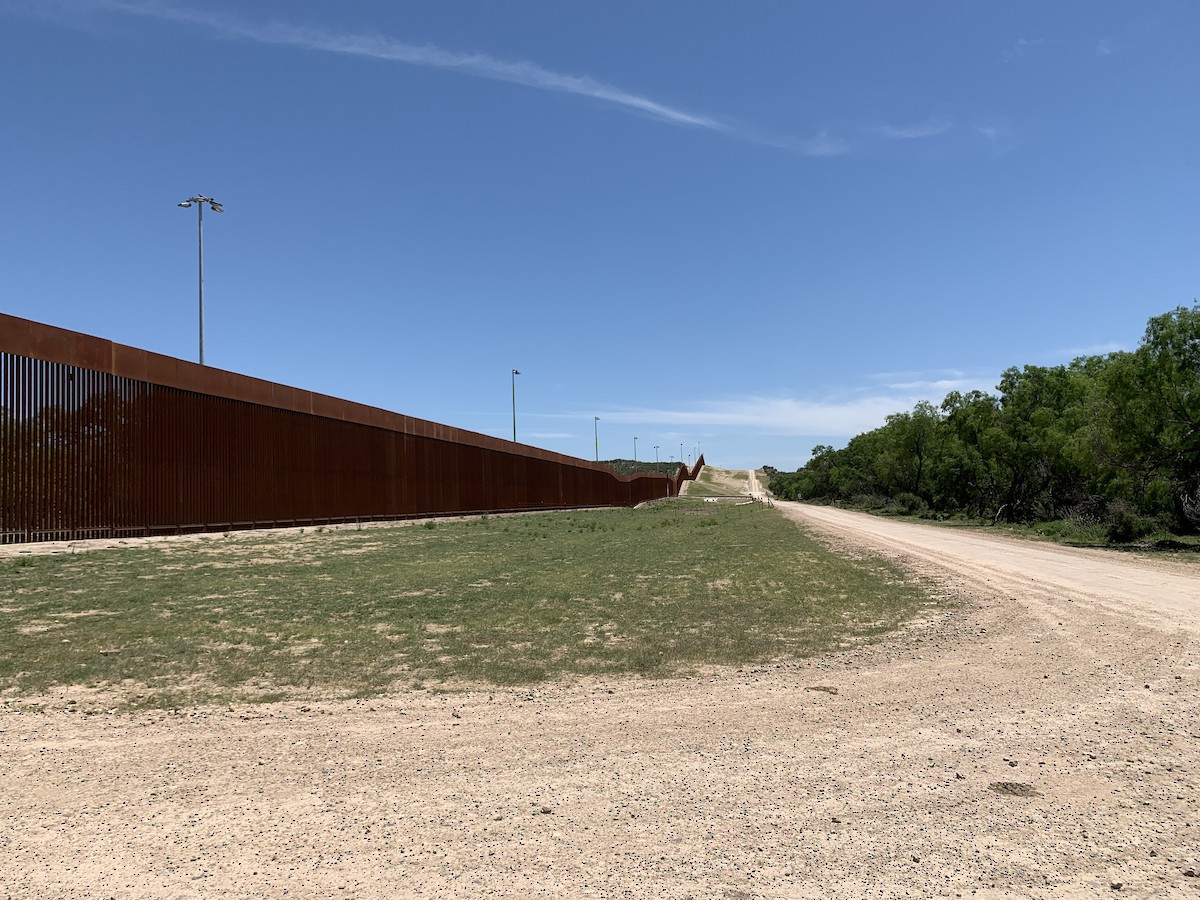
x,y
506,600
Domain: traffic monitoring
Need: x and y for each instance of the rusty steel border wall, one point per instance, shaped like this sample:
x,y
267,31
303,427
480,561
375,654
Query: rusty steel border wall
x,y
102,440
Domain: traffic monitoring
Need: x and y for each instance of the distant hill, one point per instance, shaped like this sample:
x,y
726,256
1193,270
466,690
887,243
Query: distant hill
x,y
714,482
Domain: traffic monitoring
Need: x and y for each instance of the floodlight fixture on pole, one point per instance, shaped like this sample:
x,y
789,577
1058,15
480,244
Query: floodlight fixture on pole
x,y
515,373
596,428
215,206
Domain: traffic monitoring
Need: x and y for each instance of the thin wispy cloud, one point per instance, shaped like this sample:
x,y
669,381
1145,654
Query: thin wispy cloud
x,y
997,134
824,144
1022,48
821,144
381,47
1101,349
931,385
915,374
766,415
843,412
927,129
789,415
937,388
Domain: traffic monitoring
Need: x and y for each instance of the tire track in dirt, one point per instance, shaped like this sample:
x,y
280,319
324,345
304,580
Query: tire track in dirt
x,y
1146,590
1020,740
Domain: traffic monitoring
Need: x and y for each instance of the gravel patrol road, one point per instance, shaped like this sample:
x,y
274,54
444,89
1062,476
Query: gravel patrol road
x,y
1034,735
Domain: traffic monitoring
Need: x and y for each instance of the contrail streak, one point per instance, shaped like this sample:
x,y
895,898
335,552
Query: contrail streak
x,y
378,46
381,47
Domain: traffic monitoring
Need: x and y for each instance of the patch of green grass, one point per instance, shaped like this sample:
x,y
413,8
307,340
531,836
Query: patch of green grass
x,y
1073,533
702,489
1063,531
503,599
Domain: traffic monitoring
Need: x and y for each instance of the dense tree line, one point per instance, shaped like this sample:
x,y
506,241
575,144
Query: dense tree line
x,y
1108,441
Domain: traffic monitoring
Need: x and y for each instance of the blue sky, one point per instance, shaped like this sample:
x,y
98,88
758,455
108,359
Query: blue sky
x,y
748,228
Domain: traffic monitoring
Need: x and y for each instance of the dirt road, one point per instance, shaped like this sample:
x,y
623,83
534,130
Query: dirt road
x,y
755,489
1035,737
1153,590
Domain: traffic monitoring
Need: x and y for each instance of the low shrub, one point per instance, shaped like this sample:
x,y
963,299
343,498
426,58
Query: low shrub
x,y
910,504
1126,524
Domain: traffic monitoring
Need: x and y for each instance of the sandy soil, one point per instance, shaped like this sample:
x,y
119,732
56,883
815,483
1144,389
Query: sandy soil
x,y
1037,737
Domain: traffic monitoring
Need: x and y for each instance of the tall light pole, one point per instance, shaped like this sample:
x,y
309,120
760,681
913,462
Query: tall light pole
x,y
681,453
656,454
515,373
635,449
596,428
200,200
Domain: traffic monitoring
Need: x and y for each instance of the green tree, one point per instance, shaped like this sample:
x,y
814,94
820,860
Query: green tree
x,y
1153,405
966,480
913,438
1111,438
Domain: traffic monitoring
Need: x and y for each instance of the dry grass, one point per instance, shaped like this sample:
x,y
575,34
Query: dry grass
x,y
507,600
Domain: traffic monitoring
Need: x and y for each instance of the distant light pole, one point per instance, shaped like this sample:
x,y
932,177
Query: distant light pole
x,y
681,453
515,373
635,449
596,428
216,207
656,454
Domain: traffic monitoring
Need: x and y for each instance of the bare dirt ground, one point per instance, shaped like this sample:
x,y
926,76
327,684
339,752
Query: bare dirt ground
x,y
714,482
1037,737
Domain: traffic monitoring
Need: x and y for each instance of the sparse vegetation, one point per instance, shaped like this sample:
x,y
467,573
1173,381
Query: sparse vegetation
x,y
503,599
703,488
630,467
